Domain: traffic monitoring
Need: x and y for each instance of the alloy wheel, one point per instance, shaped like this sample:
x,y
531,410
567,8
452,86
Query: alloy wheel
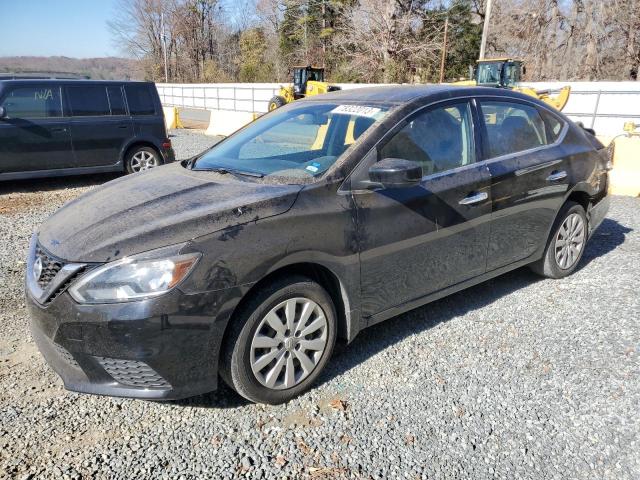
x,y
143,160
570,241
288,343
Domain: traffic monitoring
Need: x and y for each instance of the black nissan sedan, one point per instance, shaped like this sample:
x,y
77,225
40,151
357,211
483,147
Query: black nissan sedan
x,y
250,261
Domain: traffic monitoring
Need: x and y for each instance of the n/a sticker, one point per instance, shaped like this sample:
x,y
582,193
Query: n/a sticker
x,y
358,110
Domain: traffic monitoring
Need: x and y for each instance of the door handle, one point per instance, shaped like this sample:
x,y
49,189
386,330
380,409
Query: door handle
x,y
474,198
61,129
123,126
557,175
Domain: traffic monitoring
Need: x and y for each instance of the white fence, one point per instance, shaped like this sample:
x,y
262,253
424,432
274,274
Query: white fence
x,y
236,97
604,106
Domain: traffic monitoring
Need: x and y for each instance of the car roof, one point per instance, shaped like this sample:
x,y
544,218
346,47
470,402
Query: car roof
x,y
399,94
40,81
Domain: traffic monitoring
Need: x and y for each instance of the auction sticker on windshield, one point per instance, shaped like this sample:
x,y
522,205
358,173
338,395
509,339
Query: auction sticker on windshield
x,y
358,110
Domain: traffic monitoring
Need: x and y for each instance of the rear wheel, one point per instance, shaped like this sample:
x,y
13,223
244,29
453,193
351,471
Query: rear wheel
x,y
280,341
276,102
142,158
566,243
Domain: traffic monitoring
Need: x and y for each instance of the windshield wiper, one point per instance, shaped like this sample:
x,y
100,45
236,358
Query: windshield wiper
x,y
232,171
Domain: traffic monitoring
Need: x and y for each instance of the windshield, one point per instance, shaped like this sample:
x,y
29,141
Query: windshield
x,y
489,73
302,141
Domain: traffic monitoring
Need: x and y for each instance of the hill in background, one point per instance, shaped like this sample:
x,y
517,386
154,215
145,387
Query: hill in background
x,y
107,68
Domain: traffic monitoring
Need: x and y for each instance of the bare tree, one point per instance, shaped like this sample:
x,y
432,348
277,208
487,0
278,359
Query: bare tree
x,y
386,40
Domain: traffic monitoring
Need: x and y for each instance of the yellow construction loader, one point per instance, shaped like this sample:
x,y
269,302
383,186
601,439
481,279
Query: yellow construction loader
x,y
506,73
307,81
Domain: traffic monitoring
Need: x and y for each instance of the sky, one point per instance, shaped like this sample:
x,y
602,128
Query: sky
x,y
71,28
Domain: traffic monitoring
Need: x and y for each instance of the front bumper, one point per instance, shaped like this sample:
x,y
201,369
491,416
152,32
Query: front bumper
x,y
163,348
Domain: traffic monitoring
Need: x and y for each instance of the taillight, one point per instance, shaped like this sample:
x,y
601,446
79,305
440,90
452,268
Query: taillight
x,y
609,153
166,144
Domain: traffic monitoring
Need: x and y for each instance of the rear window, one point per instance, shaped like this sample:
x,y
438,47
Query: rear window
x,y
33,102
116,101
88,100
554,126
140,100
513,127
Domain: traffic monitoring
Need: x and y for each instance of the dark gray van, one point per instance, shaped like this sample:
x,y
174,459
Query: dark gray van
x,y
54,127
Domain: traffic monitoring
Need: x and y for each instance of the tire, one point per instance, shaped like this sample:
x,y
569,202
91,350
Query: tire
x,y
142,158
247,348
571,221
276,102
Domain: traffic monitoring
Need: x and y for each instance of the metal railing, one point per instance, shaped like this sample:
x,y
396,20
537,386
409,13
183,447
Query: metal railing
x,y
228,97
592,106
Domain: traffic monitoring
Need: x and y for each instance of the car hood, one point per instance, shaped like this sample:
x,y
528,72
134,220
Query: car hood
x,y
160,207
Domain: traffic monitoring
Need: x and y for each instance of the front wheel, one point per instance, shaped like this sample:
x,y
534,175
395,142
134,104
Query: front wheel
x,y
276,102
566,243
142,158
280,341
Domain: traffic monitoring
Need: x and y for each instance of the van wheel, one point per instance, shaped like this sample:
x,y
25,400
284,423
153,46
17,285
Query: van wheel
x,y
142,158
280,341
566,243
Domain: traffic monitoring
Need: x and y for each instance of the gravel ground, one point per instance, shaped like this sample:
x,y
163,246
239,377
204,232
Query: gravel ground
x,y
515,378
188,143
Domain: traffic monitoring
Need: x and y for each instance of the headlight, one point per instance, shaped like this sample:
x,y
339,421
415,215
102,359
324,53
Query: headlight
x,y
132,279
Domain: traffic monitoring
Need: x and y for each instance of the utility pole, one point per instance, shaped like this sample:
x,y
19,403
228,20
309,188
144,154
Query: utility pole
x,y
485,29
444,49
164,48
324,38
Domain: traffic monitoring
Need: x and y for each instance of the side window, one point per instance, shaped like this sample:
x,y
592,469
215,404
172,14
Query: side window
x,y
33,102
513,127
140,100
440,139
87,100
116,101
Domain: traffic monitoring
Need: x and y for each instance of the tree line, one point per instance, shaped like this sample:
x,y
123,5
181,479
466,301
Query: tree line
x,y
376,41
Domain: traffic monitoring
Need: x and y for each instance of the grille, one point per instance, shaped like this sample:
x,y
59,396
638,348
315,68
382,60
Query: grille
x,y
66,356
132,373
50,267
62,288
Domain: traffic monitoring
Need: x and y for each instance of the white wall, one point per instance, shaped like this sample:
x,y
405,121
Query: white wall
x,y
604,106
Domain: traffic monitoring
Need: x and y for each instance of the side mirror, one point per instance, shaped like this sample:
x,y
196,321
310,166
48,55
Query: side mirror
x,y
396,173
3,113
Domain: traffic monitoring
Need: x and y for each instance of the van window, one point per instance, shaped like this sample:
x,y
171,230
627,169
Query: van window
x,y
33,102
87,100
513,127
116,101
140,100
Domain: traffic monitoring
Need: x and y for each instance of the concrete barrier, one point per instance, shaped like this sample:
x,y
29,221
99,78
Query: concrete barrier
x,y
225,122
625,176
171,118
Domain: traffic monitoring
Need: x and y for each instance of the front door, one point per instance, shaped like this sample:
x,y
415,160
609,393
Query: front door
x,y
419,240
99,124
33,134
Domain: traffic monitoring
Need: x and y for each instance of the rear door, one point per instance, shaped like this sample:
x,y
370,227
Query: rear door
x,y
419,240
100,126
34,135
529,173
